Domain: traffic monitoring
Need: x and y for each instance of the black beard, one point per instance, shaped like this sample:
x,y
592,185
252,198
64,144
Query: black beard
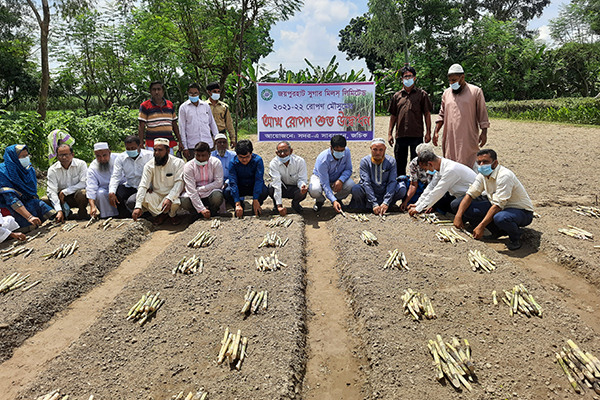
x,y
161,160
457,91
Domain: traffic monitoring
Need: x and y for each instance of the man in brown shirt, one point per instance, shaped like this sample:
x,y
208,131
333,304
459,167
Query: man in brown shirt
x,y
221,112
407,109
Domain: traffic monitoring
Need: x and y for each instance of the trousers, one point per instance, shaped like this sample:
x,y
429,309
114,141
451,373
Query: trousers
x,y
316,191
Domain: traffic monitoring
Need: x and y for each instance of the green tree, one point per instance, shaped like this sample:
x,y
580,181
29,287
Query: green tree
x,y
41,10
353,43
573,24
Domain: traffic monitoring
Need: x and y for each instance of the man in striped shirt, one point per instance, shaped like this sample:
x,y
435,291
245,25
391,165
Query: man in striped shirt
x,y
158,119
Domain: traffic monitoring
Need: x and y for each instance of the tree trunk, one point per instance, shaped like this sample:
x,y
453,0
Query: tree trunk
x,y
239,71
44,31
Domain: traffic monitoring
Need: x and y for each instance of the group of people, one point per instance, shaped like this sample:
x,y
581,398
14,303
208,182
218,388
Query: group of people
x,y
149,179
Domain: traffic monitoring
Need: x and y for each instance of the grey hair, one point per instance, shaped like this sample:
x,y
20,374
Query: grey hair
x,y
286,142
427,156
425,147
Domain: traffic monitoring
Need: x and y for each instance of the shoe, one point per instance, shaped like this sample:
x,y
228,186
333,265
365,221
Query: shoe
x,y
318,205
493,236
514,245
160,219
175,220
298,208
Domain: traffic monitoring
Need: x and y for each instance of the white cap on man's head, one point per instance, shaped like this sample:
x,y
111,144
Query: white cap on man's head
x,y
456,69
101,146
163,141
378,140
220,136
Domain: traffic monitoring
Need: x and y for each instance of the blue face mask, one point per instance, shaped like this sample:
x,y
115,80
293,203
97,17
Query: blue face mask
x,y
485,169
455,86
132,153
409,82
431,172
339,154
215,96
194,99
284,159
25,161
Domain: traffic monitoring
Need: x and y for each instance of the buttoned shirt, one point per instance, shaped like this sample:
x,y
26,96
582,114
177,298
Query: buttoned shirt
x,y
378,180
225,161
251,174
293,174
503,189
329,170
409,108
159,120
418,174
96,178
453,177
201,181
129,169
66,180
165,180
196,123
222,116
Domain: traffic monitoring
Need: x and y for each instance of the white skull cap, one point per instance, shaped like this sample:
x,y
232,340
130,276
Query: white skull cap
x,y
456,69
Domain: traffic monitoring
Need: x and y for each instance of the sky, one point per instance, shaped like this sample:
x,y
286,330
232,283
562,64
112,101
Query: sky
x,y
313,34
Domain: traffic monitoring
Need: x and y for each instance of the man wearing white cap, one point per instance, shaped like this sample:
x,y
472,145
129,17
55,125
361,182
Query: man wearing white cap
x,y
163,175
378,188
66,184
98,180
463,113
224,155
7,226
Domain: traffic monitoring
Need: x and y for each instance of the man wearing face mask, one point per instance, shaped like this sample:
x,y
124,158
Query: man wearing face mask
x,y
462,114
506,209
289,175
126,176
331,175
223,154
220,112
407,109
451,180
99,174
377,189
203,179
160,186
196,122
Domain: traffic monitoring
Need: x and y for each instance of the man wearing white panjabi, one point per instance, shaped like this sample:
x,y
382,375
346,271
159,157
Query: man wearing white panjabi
x,y
7,226
160,186
98,178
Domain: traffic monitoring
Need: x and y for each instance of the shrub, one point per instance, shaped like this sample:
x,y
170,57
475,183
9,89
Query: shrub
x,y
575,110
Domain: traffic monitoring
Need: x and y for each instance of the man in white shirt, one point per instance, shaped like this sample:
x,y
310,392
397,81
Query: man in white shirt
x,y
450,181
127,173
203,179
98,178
290,178
506,209
163,175
196,122
7,226
66,184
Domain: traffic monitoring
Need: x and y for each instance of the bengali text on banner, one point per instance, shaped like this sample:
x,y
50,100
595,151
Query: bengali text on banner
x,y
315,112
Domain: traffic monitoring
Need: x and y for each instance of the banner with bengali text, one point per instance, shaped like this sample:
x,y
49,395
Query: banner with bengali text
x,y
315,112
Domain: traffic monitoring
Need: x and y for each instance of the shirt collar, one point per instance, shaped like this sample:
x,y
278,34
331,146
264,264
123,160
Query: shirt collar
x,y
494,173
154,104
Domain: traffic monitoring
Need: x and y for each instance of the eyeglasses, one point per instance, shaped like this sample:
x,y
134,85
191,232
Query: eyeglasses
x,y
63,155
408,76
282,152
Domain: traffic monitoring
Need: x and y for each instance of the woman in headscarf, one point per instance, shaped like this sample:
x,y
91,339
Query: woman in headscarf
x,y
18,188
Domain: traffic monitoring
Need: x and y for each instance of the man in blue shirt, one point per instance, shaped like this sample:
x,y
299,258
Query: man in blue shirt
x,y
246,178
223,154
377,189
331,175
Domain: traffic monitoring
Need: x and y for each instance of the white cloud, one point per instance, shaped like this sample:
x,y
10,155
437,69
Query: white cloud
x,y
313,34
544,33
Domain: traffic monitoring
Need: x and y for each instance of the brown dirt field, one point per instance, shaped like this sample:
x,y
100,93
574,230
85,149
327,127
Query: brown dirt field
x,y
367,349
